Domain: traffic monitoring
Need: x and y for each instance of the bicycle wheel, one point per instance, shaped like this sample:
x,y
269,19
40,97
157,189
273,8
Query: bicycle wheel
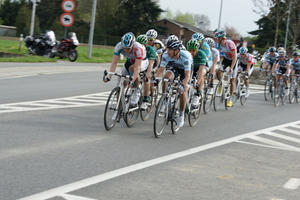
x,y
194,113
207,103
277,95
283,94
243,98
297,94
132,112
161,116
218,95
236,94
292,95
112,111
174,113
267,90
145,113
226,96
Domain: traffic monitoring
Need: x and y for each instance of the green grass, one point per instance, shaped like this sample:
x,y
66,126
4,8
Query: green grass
x,y
100,54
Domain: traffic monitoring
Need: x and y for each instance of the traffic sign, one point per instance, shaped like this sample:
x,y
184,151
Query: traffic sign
x,y
68,6
66,19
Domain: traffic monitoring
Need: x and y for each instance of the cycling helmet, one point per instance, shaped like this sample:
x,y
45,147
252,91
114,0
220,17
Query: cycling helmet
x,y
174,44
280,48
281,52
192,44
296,53
198,36
172,37
272,49
243,50
151,33
220,33
127,40
209,41
142,39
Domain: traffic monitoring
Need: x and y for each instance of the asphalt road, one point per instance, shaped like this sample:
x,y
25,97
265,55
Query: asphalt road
x,y
54,145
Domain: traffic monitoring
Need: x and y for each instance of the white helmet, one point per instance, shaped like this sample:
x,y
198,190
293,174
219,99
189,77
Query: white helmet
x,y
151,33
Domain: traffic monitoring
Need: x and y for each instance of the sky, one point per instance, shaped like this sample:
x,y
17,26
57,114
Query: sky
x,y
235,13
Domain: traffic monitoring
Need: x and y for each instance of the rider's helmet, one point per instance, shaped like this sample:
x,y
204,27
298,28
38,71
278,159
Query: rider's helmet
x,y
198,36
172,37
281,52
272,49
296,53
243,50
142,39
127,40
209,41
220,33
192,44
280,48
151,33
174,44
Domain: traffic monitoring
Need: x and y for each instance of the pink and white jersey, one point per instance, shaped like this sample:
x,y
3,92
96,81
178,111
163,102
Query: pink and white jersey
x,y
138,52
227,49
247,59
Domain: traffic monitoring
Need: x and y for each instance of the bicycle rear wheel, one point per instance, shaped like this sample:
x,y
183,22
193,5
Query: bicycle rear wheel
x,y
268,90
174,114
194,113
292,95
277,95
207,103
243,98
283,94
161,116
112,111
132,112
218,95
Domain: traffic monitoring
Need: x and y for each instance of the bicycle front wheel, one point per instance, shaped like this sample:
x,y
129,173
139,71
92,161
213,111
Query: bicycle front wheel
x,y
218,96
161,116
132,112
268,90
292,95
243,98
112,110
207,103
175,112
194,113
283,94
277,95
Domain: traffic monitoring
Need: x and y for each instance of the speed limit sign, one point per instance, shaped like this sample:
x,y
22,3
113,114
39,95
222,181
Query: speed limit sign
x,y
66,19
68,6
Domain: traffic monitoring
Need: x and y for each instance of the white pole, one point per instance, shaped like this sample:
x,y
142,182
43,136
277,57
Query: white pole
x,y
287,25
92,29
220,15
32,17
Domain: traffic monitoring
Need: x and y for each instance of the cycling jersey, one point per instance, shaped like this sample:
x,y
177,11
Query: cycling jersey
x,y
248,58
151,54
206,49
271,59
295,64
199,59
215,54
138,52
184,61
282,64
227,48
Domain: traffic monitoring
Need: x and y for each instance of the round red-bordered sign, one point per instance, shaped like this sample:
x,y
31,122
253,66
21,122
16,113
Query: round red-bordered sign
x,y
68,6
66,19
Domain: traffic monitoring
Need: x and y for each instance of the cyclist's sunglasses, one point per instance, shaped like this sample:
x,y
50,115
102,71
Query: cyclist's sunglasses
x,y
151,39
280,56
127,48
242,54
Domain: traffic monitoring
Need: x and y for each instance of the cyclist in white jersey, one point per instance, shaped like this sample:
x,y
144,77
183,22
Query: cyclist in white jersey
x,y
229,60
177,62
245,64
295,64
270,59
215,59
156,44
136,61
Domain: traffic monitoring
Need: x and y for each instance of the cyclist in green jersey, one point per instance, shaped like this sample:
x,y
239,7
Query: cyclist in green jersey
x,y
151,55
199,58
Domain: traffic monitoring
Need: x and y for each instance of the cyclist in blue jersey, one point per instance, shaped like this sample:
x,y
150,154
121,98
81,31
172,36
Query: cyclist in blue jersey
x,y
270,59
177,62
295,64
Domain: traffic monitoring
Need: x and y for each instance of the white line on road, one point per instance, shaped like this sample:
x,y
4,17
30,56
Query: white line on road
x,y
73,197
292,184
132,168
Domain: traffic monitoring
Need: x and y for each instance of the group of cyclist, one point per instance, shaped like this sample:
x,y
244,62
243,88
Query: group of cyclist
x,y
199,58
278,63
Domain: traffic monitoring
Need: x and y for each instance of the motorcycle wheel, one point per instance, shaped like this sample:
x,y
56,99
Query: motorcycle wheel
x,y
73,55
48,54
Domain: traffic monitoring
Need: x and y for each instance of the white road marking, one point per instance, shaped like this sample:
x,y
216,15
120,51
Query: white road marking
x,y
135,167
292,184
73,197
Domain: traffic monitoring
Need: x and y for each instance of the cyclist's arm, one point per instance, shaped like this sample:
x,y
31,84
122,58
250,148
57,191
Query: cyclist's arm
x,y
136,69
287,72
234,59
275,65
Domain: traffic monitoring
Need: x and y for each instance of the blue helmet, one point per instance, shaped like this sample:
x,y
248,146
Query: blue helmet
x,y
198,36
127,40
243,50
220,33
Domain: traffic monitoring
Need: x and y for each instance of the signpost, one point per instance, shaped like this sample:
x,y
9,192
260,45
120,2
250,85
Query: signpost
x,y
67,19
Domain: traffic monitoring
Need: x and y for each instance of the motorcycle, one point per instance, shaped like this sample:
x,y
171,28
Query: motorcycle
x,y
42,45
67,48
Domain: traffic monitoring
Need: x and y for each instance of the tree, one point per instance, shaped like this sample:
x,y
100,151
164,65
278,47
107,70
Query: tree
x,y
9,10
202,21
186,18
231,32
